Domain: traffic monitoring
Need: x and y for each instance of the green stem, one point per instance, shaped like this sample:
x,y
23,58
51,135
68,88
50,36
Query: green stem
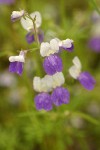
x,y
35,31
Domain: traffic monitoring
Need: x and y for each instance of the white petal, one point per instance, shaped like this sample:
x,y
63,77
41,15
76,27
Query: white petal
x,y
77,62
17,14
58,79
54,45
38,18
44,49
26,23
49,82
37,84
67,43
74,72
19,58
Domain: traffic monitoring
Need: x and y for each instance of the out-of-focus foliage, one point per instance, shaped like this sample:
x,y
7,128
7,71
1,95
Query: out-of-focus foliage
x,y
73,126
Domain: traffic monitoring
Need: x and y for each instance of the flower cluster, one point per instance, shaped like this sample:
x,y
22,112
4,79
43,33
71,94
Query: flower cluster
x,y
47,84
49,87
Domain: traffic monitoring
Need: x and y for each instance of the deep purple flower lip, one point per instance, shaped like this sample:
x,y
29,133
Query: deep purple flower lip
x,y
52,64
60,96
87,80
43,101
94,44
16,67
30,37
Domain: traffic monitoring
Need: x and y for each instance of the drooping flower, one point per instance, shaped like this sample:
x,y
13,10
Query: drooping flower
x,y
8,2
66,45
16,63
52,62
28,25
43,99
84,78
59,95
16,15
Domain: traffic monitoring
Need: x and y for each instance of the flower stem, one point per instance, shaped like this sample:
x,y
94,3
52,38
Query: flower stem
x,y
35,31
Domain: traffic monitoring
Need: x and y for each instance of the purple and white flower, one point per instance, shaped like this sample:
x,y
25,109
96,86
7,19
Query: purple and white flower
x,y
84,78
43,99
17,63
27,24
16,15
66,45
52,63
59,95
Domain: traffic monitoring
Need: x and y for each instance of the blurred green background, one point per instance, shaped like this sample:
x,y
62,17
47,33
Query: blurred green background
x,y
73,126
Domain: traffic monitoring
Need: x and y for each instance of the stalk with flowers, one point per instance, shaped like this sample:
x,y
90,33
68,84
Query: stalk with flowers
x,y
50,89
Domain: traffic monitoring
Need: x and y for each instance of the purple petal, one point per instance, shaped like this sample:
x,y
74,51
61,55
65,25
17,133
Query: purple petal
x,y
68,49
41,36
94,44
16,67
19,69
60,96
30,38
52,64
7,1
43,101
87,80
12,67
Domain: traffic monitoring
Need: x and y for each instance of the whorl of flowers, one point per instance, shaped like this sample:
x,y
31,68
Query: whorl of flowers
x,y
50,87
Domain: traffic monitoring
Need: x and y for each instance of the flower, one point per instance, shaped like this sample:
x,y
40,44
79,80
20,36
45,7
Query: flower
x,y
43,99
27,24
16,15
16,63
7,2
84,78
52,63
59,95
66,45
